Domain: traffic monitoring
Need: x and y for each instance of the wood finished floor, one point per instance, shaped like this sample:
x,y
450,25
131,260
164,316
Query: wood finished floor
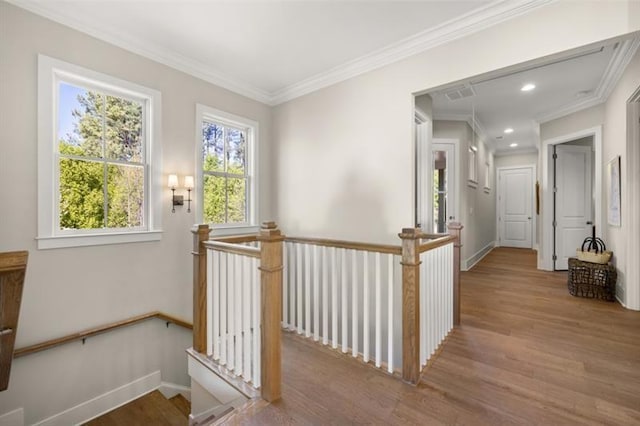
x,y
150,409
527,353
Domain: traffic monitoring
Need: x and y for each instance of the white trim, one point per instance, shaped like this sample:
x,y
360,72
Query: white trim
x,y
545,260
534,220
621,302
65,241
632,205
253,169
473,260
477,20
104,403
470,23
473,122
420,116
13,418
618,63
221,231
50,71
169,390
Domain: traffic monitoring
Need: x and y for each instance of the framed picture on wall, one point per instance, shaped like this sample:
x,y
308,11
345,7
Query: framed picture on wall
x,y
614,193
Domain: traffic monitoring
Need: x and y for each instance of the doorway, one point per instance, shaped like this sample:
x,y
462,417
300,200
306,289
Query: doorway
x,y
573,203
515,206
443,178
547,237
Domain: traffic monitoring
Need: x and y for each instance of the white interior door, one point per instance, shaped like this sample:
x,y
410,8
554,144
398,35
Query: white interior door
x,y
573,201
515,210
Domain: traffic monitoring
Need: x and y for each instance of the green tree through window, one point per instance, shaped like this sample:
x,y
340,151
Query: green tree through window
x,y
101,160
224,169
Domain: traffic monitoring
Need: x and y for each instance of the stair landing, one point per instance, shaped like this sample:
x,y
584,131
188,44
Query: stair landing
x,y
150,409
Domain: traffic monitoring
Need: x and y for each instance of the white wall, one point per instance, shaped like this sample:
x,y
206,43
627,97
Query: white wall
x,y
68,290
614,143
515,160
345,153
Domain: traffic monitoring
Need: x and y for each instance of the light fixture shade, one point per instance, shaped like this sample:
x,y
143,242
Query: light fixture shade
x,y
173,181
188,182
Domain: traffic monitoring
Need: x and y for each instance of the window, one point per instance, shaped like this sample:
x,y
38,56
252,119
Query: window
x,y
487,177
226,159
98,154
473,170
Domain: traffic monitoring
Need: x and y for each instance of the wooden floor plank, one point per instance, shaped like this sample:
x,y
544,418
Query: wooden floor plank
x,y
150,409
527,353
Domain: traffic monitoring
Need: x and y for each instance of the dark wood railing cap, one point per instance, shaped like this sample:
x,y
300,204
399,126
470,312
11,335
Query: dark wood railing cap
x,y
410,233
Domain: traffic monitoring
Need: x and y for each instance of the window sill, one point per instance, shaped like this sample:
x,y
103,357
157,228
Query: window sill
x,y
65,241
222,231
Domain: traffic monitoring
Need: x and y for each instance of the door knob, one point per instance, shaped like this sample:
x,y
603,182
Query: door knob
x,y
589,223
529,218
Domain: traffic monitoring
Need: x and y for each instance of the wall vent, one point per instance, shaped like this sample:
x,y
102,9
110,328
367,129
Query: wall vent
x,y
459,92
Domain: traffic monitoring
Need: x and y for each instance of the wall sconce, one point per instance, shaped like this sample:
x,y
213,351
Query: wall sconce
x,y
178,200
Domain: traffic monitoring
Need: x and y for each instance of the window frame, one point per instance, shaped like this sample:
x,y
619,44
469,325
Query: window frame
x,y
206,113
51,72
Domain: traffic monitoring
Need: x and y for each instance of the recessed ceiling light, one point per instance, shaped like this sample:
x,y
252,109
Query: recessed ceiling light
x,y
513,145
528,87
508,130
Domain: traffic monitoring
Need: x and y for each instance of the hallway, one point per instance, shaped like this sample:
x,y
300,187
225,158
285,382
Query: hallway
x,y
527,353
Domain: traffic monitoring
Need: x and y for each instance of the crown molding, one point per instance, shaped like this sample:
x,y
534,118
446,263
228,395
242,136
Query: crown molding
x,y
491,14
618,63
146,49
472,22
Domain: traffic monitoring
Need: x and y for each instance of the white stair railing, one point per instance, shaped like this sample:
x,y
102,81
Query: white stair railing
x,y
346,295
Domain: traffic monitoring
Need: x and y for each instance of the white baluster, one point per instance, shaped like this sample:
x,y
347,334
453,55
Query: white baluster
x,y
365,307
257,309
378,308
316,293
223,308
231,294
307,291
334,298
247,275
354,302
390,312
325,297
292,287
285,286
216,304
343,286
299,287
209,317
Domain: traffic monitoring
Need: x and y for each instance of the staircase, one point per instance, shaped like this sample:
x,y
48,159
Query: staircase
x,y
150,409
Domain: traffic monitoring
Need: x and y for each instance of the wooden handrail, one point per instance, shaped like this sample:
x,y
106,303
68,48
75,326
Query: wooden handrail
x,y
236,239
433,244
351,245
38,347
233,248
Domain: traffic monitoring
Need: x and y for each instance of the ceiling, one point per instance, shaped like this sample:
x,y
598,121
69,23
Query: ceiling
x,y
272,50
565,85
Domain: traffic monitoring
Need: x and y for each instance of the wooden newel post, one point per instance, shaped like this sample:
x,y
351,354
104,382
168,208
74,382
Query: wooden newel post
x,y
199,252
455,229
271,288
410,304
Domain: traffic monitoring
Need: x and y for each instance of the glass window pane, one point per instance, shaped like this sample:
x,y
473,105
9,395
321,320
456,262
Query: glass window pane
x,y
80,123
237,200
123,129
212,147
236,144
214,199
81,194
126,196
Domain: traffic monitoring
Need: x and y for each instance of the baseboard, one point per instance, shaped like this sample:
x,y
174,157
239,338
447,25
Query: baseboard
x,y
104,403
13,418
617,298
169,390
477,257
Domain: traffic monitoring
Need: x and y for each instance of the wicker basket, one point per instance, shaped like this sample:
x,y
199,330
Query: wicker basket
x,y
592,280
593,257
